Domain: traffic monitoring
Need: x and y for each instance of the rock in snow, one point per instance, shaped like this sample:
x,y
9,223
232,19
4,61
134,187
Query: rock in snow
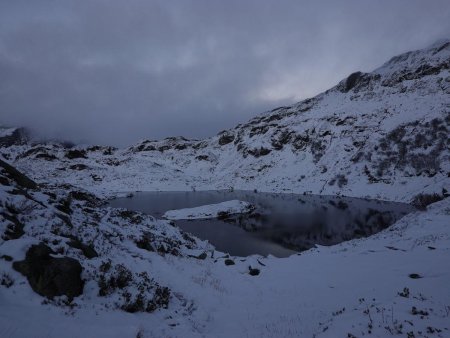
x,y
51,276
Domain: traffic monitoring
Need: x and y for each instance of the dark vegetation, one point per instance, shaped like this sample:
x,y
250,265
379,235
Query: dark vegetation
x,y
87,250
162,245
414,149
421,201
6,280
340,179
137,291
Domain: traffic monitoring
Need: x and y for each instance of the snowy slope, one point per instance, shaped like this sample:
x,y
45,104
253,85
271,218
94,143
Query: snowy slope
x,y
393,283
382,134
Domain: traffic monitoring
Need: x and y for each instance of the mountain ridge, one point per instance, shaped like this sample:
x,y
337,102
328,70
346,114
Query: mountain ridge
x,y
379,135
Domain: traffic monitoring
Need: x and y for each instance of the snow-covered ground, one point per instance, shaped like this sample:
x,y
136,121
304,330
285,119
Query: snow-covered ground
x,y
393,283
382,135
210,211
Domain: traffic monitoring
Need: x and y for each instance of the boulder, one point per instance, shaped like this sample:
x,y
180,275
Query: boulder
x,y
49,276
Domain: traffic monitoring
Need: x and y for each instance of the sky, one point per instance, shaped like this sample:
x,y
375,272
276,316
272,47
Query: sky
x,y
115,72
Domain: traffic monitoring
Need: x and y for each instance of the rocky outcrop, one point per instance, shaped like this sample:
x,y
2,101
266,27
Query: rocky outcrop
x,y
13,136
49,276
15,175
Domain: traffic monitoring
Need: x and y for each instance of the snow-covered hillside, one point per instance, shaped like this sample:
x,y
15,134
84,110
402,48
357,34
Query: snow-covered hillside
x,y
115,273
382,134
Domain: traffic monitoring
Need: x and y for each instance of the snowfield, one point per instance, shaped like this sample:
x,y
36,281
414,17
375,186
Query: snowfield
x,y
72,267
210,211
392,283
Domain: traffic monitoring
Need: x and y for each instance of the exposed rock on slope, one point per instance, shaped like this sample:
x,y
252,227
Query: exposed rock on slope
x,y
13,136
51,276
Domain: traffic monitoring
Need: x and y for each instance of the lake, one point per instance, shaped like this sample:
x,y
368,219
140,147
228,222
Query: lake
x,y
281,225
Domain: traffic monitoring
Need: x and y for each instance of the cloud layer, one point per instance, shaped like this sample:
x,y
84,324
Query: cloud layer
x,y
113,72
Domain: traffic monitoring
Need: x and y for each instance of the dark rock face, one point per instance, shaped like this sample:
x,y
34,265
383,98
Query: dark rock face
x,y
91,199
78,166
49,276
202,256
87,250
225,139
257,152
409,74
18,137
17,176
281,138
71,154
46,156
358,81
202,157
352,80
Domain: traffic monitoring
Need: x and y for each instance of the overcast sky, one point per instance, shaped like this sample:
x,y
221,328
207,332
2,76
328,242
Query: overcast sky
x,y
118,71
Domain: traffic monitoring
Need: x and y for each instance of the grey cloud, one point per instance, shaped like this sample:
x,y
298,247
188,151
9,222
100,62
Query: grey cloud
x,y
116,71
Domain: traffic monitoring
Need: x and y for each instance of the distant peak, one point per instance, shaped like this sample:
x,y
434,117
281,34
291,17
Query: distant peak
x,y
436,54
440,44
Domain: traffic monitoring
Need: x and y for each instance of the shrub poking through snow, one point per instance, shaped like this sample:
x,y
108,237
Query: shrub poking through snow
x,y
340,179
421,201
134,292
416,148
6,280
118,279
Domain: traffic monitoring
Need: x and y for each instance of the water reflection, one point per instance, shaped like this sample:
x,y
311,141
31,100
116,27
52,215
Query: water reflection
x,y
281,224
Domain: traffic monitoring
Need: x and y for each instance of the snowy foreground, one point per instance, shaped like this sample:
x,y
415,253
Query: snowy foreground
x,y
72,267
395,282
210,211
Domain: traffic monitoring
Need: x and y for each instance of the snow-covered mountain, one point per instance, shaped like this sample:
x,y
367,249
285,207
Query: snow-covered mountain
x,y
70,266
382,134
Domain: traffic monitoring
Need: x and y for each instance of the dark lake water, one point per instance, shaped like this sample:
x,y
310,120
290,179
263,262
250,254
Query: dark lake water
x,y
281,225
